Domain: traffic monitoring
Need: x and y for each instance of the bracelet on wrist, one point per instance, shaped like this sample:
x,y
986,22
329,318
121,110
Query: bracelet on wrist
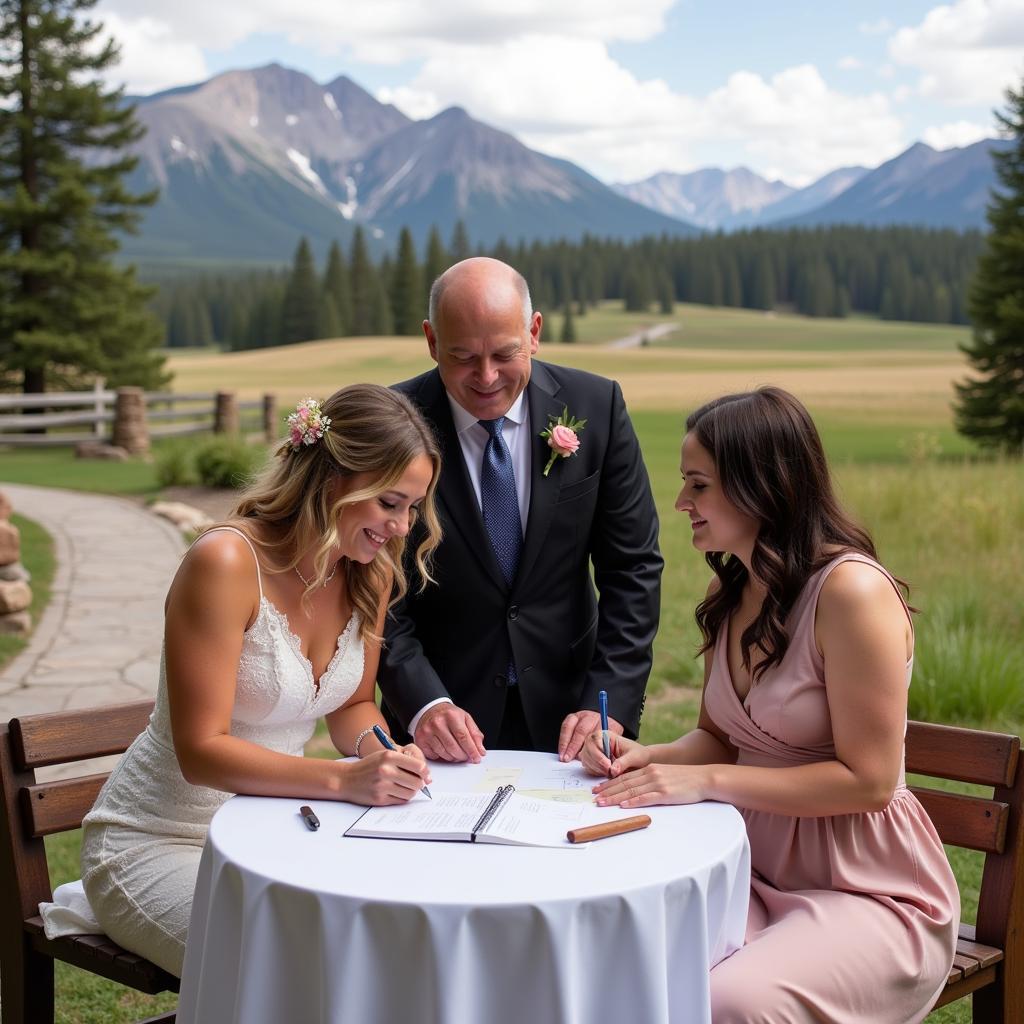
x,y
362,736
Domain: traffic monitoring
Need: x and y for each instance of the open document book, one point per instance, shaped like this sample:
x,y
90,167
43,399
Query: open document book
x,y
500,817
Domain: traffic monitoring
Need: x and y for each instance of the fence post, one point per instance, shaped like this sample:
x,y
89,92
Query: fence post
x,y
270,428
131,431
98,427
225,413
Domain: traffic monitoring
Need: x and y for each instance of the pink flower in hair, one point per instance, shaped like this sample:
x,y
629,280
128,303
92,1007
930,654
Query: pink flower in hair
x,y
307,424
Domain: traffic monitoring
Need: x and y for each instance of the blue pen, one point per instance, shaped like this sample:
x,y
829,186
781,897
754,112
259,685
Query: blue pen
x,y
386,740
602,703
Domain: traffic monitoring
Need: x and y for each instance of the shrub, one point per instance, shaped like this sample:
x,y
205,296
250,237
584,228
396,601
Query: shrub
x,y
227,461
174,466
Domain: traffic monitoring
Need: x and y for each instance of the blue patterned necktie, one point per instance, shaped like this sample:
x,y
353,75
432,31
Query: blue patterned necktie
x,y
500,506
498,500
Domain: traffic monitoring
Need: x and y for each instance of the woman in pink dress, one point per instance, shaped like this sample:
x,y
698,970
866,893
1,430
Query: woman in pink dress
x,y
808,649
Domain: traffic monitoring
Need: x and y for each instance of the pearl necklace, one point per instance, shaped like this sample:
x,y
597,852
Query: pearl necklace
x,y
309,583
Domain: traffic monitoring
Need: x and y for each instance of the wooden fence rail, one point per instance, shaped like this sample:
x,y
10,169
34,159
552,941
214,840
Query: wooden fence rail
x,y
129,417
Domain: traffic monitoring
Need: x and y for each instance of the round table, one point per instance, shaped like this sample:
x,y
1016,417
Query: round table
x,y
290,924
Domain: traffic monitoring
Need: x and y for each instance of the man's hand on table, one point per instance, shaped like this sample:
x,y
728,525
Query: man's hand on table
x,y
447,733
575,730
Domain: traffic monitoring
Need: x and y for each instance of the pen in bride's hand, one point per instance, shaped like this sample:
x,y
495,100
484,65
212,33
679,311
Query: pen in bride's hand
x,y
386,740
602,703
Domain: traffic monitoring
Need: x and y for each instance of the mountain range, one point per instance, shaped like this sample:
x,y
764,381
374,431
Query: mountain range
x,y
250,160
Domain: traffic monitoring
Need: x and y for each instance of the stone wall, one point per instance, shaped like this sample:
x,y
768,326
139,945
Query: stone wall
x,y
15,593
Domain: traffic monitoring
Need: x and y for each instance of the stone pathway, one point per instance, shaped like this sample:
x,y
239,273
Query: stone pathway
x,y
651,333
98,641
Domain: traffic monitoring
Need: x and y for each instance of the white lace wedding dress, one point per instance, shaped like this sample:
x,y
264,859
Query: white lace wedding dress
x,y
143,838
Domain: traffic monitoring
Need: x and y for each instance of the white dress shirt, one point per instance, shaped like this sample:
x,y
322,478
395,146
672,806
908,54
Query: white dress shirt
x,y
472,440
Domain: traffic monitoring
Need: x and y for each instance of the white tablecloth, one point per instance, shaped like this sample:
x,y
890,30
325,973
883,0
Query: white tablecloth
x,y
300,926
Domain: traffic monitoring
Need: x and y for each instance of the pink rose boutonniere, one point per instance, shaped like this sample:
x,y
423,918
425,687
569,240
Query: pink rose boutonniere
x,y
562,436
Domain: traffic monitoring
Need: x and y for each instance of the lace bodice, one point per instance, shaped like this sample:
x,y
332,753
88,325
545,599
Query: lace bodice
x,y
277,704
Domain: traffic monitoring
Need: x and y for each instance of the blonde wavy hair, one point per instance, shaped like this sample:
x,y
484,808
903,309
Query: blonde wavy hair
x,y
374,431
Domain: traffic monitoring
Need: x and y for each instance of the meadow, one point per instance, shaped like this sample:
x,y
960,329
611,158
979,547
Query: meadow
x,y
944,518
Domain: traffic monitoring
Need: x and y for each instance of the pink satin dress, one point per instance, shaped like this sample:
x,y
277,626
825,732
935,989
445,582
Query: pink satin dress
x,y
853,917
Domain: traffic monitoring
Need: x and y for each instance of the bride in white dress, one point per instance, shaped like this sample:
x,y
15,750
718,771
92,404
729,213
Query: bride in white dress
x,y
273,621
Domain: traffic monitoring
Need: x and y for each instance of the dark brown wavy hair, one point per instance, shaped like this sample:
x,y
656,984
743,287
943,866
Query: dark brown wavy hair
x,y
771,465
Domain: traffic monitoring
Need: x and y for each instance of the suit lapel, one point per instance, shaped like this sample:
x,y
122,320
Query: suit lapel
x,y
454,489
542,395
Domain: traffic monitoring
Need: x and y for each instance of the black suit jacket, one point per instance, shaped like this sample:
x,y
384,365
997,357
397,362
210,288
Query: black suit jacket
x,y
455,639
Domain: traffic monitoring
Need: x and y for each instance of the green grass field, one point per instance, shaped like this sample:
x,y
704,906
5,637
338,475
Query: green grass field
x,y
943,518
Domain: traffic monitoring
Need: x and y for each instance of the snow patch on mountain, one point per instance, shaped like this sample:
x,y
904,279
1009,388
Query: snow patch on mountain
x,y
351,204
332,106
301,161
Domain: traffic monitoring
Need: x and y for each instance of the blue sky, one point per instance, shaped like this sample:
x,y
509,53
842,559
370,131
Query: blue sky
x,y
791,89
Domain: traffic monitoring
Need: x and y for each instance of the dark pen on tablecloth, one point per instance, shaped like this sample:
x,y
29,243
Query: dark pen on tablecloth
x,y
386,740
311,820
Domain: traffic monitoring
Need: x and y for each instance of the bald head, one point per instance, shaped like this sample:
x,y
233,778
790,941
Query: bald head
x,y
479,282
483,335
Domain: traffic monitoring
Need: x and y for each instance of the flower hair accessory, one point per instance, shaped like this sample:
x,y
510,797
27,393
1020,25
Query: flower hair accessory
x,y
561,435
307,424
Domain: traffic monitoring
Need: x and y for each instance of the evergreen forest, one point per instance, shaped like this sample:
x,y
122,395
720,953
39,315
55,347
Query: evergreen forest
x,y
900,273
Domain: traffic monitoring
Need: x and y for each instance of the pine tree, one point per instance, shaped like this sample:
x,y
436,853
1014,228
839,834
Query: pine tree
x,y
338,289
436,263
365,287
568,331
990,408
460,247
636,290
666,293
67,311
328,321
407,307
763,289
301,311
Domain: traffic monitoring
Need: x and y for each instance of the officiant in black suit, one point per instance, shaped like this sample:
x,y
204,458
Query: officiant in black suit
x,y
547,586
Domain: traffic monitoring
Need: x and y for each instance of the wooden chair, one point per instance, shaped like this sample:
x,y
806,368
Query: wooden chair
x,y
989,962
30,810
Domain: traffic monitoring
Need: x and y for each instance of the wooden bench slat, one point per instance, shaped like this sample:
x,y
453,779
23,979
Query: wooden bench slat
x,y
965,964
59,806
959,987
65,736
967,755
101,955
985,956
969,821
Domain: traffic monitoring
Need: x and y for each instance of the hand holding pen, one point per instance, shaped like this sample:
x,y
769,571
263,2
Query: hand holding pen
x,y
385,740
602,702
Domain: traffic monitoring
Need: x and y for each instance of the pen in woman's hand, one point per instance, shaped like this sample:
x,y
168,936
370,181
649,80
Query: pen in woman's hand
x,y
606,743
385,739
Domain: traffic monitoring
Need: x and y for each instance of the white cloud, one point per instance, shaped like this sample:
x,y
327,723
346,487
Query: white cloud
x,y
542,71
849,63
414,103
795,121
571,99
151,57
389,31
967,52
957,134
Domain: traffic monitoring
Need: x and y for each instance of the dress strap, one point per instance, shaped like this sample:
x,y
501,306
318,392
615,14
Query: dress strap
x,y
857,556
234,529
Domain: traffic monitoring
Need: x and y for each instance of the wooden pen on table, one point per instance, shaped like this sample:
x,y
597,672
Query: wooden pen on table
x,y
608,828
